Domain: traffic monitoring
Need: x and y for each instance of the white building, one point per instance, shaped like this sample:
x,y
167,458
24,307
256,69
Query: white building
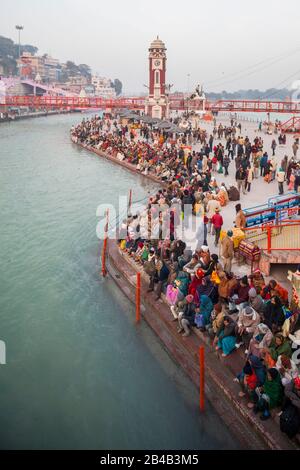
x,y
103,87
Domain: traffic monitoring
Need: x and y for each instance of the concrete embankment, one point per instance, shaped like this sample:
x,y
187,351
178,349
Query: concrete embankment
x,y
220,389
124,164
33,115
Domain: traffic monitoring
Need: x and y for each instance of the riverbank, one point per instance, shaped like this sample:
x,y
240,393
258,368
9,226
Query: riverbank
x,y
124,164
21,117
248,429
219,372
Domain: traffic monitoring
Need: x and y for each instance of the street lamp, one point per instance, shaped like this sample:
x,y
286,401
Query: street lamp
x,y
188,82
188,90
19,29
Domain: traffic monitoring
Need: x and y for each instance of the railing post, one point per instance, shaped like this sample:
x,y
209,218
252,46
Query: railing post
x,y
104,248
269,238
201,384
130,200
138,298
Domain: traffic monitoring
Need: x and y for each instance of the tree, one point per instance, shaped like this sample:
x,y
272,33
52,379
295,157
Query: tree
x,y
85,70
9,65
28,48
9,53
72,68
7,47
8,56
117,86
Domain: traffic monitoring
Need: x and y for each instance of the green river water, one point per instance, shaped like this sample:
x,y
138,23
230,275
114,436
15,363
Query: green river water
x,y
79,373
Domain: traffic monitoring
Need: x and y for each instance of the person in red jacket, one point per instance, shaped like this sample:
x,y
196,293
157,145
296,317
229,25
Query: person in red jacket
x,y
217,222
248,381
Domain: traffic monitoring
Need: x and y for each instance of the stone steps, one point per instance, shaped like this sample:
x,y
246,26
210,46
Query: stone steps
x,y
219,385
278,257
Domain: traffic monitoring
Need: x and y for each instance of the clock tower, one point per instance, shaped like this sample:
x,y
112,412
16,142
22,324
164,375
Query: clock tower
x,y
157,103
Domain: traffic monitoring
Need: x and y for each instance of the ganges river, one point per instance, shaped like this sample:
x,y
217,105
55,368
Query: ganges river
x,y
79,373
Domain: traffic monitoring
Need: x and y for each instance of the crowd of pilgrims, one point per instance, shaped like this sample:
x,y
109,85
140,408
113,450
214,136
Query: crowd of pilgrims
x,y
162,153
245,313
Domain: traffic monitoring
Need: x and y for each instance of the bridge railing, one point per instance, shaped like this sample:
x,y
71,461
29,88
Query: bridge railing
x,y
255,106
73,101
285,237
139,103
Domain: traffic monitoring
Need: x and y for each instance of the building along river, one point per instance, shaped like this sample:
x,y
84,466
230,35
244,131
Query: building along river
x,y
79,373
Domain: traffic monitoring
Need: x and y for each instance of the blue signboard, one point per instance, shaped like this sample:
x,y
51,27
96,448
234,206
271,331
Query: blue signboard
x,y
277,208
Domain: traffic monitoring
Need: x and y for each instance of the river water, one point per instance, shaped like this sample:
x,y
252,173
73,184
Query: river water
x,y
79,373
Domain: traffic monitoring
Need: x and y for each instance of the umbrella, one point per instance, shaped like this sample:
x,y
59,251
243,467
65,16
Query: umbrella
x,y
148,119
164,125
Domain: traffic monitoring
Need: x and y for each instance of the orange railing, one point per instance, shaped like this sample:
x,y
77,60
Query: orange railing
x,y
285,237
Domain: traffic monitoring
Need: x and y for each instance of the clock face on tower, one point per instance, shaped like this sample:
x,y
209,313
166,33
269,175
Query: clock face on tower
x,y
156,63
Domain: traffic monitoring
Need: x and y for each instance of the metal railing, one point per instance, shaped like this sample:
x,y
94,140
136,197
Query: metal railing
x,y
285,237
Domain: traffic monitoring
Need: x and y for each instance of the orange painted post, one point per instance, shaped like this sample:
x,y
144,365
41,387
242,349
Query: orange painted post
x,y
104,248
269,239
201,363
130,200
138,298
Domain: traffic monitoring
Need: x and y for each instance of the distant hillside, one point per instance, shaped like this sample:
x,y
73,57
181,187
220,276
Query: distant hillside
x,y
9,52
270,94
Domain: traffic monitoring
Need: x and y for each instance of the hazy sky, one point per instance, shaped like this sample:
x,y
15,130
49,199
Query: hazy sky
x,y
224,44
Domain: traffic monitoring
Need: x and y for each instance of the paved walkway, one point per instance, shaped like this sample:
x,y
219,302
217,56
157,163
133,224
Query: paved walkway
x,y
260,190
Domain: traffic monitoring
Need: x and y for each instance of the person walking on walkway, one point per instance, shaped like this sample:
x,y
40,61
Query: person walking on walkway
x,y
227,251
249,178
280,176
217,222
263,164
240,177
211,207
240,220
226,163
295,148
297,179
273,168
273,147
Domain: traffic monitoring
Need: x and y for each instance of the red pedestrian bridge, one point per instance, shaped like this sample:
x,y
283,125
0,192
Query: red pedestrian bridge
x,y
138,103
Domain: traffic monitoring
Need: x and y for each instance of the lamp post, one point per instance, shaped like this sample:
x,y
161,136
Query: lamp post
x,y
188,82
188,90
19,29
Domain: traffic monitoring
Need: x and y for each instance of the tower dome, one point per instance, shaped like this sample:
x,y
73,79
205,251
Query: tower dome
x,y
157,44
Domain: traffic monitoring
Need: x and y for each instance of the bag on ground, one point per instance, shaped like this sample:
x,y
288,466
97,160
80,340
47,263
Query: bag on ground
x,y
290,421
233,194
